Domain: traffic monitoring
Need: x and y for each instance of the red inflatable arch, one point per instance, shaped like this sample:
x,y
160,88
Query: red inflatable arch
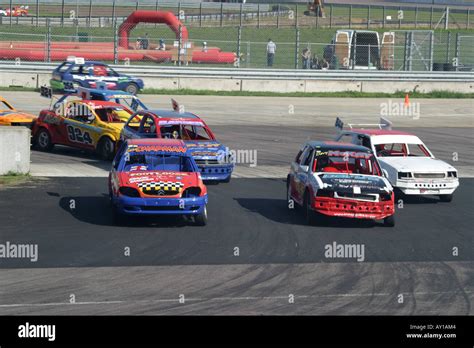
x,y
150,17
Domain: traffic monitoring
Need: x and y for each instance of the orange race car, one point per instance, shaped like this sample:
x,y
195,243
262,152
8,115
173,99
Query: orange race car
x,y
9,116
19,11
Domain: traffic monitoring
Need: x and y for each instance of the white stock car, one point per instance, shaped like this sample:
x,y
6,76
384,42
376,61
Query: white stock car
x,y
409,164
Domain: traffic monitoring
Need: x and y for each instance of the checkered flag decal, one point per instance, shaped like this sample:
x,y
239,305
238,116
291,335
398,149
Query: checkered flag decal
x,y
161,185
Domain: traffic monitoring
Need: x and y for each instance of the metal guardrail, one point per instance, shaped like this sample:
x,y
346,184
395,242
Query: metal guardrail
x,y
260,74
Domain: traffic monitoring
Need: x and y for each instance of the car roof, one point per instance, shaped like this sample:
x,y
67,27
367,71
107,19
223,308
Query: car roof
x,y
87,62
334,145
110,92
379,132
172,114
98,103
156,141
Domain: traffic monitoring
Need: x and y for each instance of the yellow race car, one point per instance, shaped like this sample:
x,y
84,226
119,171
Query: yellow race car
x,y
9,116
85,124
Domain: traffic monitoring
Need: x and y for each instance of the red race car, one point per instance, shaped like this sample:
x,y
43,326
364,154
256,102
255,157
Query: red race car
x,y
21,11
337,179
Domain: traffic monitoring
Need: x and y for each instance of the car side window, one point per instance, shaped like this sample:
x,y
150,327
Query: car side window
x,y
364,140
306,156
133,122
119,154
147,126
299,156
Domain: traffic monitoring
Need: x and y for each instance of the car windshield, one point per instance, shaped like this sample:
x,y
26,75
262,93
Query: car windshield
x,y
346,162
4,106
401,150
130,102
63,67
185,132
158,162
113,114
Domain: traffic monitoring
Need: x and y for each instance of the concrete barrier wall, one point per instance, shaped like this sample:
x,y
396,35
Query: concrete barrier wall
x,y
261,85
14,150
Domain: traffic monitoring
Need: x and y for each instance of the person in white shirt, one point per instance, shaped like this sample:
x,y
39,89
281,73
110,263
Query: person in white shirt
x,y
271,48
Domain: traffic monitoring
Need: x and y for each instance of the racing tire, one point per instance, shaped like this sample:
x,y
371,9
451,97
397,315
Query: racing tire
x,y
43,140
310,214
389,221
201,219
446,198
106,149
132,88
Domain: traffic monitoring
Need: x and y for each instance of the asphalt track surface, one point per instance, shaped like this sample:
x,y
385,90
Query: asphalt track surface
x,y
81,252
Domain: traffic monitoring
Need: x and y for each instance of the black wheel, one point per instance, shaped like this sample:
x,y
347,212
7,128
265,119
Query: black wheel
x,y
310,214
201,219
132,88
106,149
43,140
446,198
389,221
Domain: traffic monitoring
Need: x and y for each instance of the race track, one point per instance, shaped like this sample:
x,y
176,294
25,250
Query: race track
x,y
81,252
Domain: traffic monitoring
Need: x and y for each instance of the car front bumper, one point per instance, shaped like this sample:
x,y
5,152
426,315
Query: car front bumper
x,y
353,208
427,187
160,206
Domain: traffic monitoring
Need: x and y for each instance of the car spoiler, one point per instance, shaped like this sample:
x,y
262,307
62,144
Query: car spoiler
x,y
56,98
383,124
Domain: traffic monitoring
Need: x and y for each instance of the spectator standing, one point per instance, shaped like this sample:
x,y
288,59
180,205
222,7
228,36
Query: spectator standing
x,y
145,42
271,49
306,57
162,46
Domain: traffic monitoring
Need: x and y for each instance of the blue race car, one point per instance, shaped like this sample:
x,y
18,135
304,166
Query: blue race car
x,y
78,72
156,177
215,161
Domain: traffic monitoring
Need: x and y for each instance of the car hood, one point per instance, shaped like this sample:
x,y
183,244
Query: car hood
x,y
205,149
8,116
142,178
417,164
343,182
115,125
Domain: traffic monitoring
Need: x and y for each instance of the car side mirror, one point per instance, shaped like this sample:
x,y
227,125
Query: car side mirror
x,y
304,168
385,173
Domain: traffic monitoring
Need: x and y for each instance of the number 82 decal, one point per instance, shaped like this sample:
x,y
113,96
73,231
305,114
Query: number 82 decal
x,y
76,135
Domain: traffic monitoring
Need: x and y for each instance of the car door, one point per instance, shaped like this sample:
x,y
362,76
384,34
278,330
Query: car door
x,y
302,171
81,126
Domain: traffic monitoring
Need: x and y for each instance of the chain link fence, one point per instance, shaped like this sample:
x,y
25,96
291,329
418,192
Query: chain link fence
x,y
211,14
277,36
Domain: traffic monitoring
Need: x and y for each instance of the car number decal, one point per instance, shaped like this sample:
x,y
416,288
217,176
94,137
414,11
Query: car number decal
x,y
76,135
